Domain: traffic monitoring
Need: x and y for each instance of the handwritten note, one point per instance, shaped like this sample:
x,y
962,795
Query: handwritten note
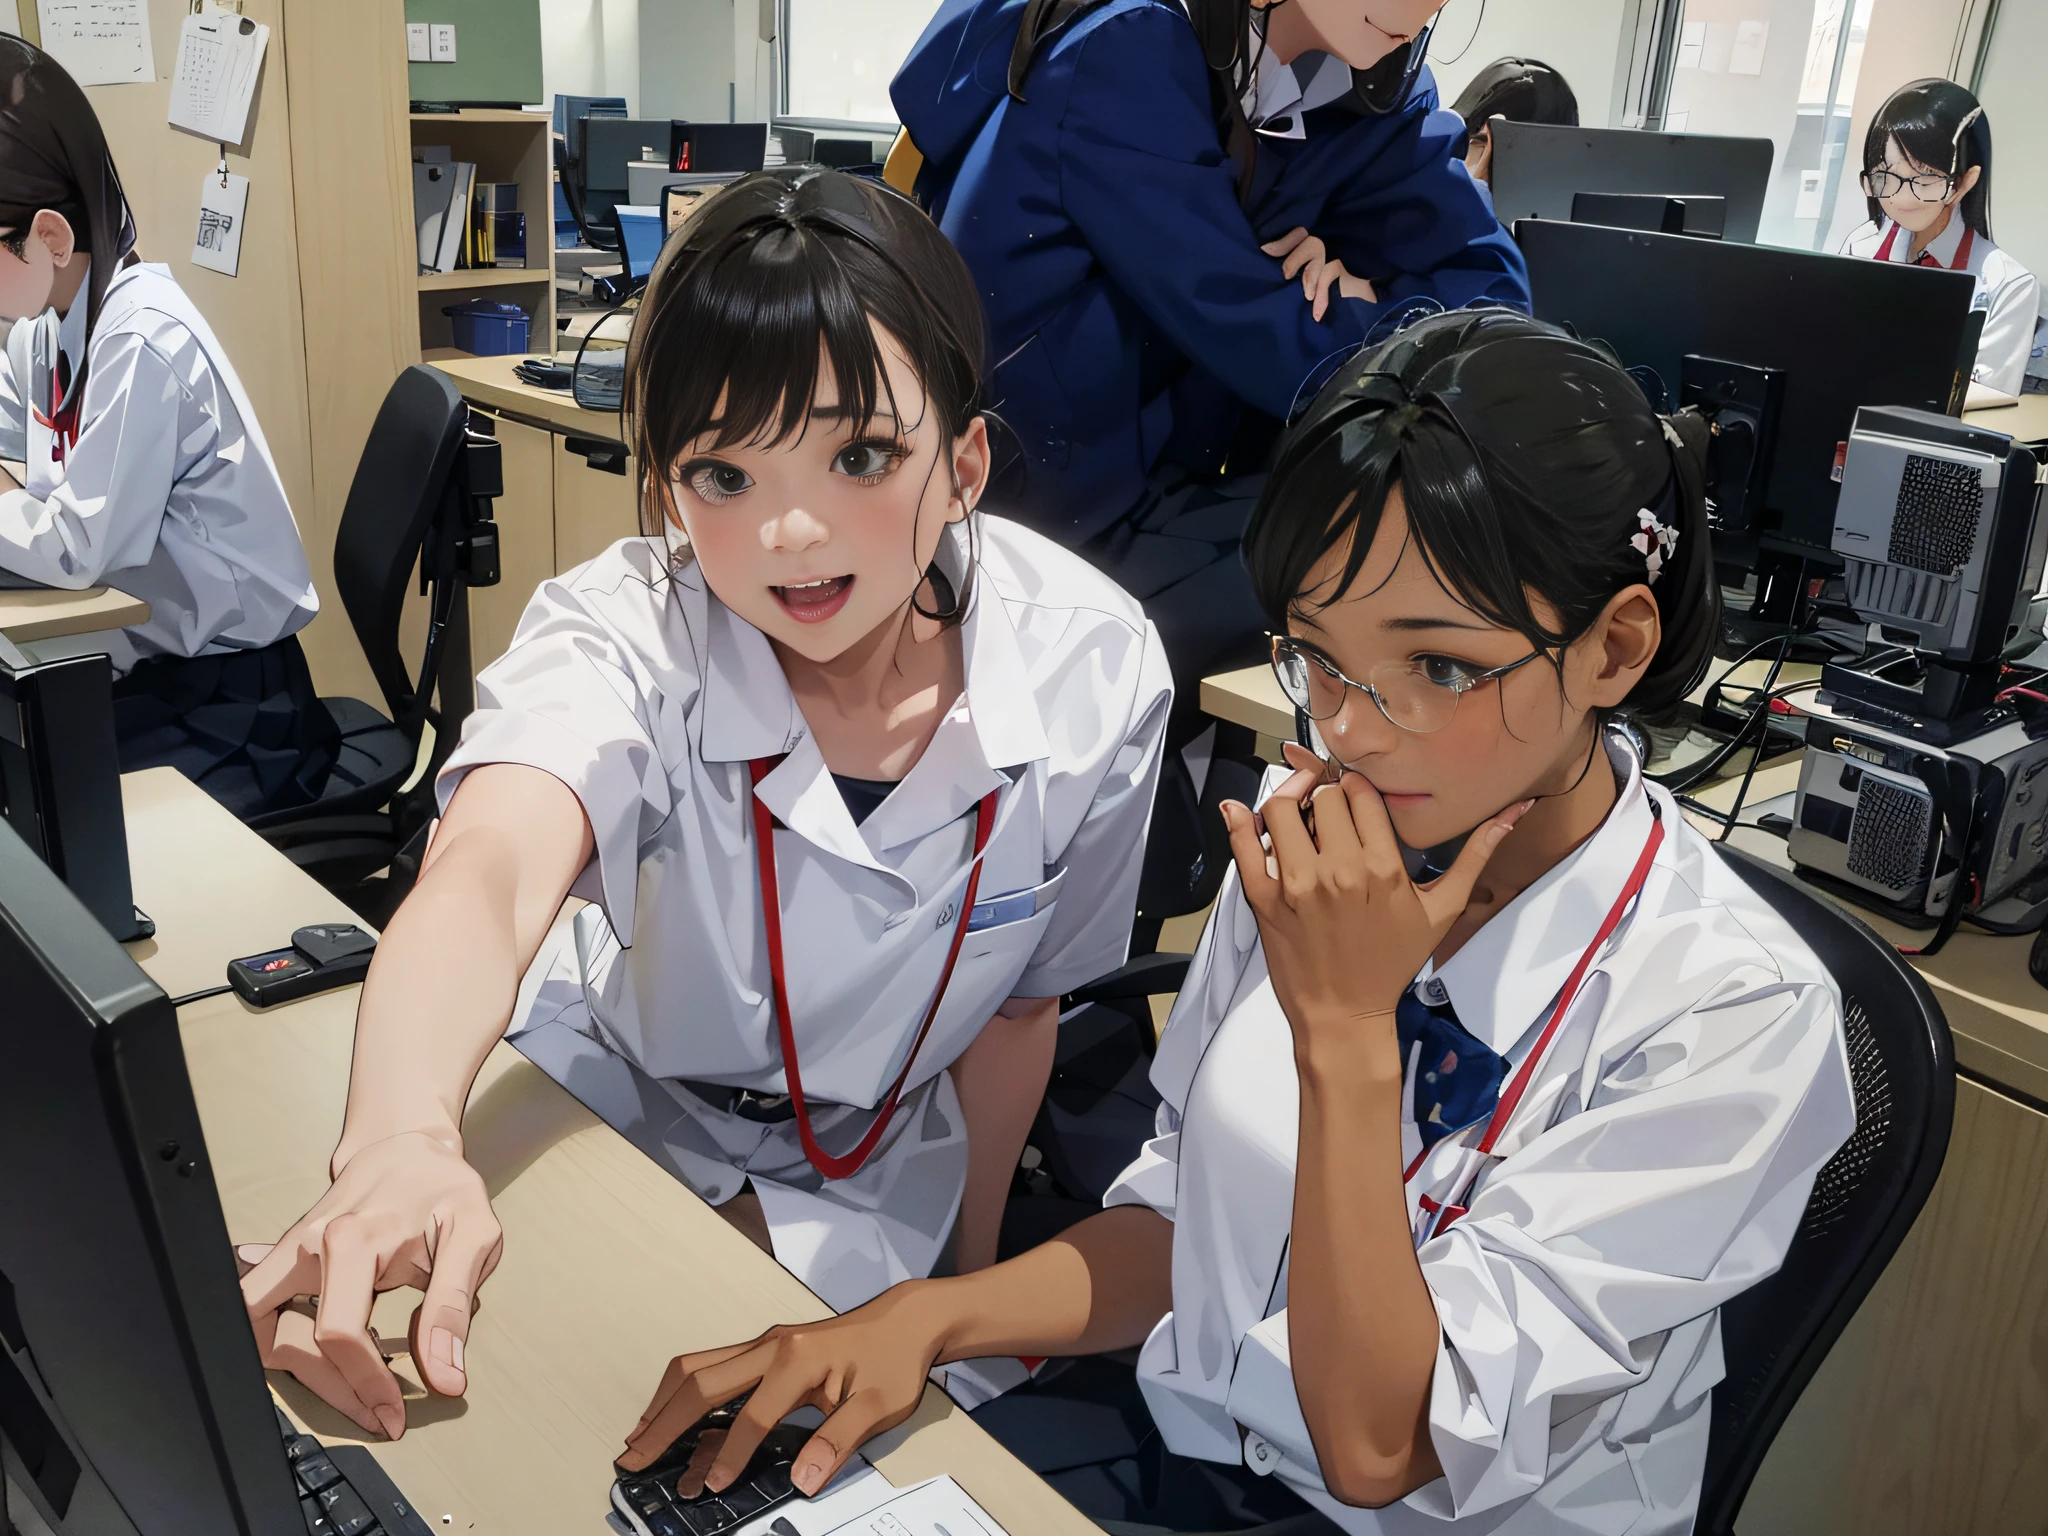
x,y
100,42
223,210
220,55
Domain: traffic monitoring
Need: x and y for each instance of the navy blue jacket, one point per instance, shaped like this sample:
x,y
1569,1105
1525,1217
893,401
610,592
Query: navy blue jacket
x,y
1132,314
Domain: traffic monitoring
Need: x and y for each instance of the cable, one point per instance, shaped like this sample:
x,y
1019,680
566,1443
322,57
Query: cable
x,y
1762,710
198,997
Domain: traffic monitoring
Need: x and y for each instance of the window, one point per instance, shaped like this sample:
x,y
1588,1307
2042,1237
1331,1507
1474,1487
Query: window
x,y
838,57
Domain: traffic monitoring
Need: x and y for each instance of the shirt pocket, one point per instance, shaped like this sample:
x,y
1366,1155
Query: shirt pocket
x,y
1011,908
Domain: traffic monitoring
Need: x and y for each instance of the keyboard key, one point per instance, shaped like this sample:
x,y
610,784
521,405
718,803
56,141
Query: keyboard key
x,y
317,1523
351,1516
706,1517
744,1501
301,1445
774,1484
316,1472
286,1429
667,1523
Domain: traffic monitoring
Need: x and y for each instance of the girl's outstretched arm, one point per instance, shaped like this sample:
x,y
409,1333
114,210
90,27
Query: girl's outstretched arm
x,y
404,1208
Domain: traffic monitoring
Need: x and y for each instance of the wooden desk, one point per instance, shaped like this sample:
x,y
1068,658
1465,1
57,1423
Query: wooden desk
x,y
610,1265
2028,419
48,614
491,381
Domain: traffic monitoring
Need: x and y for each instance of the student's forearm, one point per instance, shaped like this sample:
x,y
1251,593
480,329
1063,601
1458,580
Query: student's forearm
x,y
1000,1080
441,989
1100,1285
1361,1322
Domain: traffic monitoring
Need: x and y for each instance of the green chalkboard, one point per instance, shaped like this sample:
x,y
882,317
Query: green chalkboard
x,y
497,51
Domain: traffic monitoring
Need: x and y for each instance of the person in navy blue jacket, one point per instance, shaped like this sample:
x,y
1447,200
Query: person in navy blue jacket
x,y
1180,214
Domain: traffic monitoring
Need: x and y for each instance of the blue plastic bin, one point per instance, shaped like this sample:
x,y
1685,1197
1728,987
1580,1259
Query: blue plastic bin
x,y
488,328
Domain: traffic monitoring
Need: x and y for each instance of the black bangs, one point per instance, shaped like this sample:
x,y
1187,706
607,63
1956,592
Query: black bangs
x,y
779,282
1525,459
1939,125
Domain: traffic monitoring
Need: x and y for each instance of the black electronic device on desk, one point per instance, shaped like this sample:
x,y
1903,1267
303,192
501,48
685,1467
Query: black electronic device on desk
x,y
132,1402
60,779
1780,349
717,149
1539,167
648,1505
1701,216
1922,792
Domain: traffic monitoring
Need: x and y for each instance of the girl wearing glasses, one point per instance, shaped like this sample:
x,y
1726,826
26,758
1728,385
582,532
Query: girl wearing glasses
x,y
1177,211
1460,1152
1927,175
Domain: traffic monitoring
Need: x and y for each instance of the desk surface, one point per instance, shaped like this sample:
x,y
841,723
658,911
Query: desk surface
x,y
47,614
2028,419
490,381
1997,1011
610,1265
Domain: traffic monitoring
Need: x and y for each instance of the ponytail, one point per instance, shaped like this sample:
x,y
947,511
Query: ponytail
x,y
1224,29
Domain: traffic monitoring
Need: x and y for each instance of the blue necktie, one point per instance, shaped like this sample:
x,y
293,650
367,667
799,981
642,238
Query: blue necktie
x,y
1457,1079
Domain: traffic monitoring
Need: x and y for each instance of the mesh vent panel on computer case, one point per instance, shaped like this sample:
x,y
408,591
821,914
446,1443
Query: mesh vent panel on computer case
x,y
1934,523
1888,838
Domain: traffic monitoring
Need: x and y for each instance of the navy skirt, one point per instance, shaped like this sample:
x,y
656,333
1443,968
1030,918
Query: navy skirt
x,y
246,727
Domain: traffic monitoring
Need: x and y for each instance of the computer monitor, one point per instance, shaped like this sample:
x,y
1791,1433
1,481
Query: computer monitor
x,y
1699,216
711,149
843,154
572,112
1823,334
1537,167
60,779
611,144
132,1401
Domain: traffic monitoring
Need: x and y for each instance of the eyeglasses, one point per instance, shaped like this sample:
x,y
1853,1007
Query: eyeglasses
x,y
1419,696
1928,187
1390,82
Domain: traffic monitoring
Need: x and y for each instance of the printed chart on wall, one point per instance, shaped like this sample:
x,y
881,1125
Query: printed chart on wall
x,y
220,54
100,42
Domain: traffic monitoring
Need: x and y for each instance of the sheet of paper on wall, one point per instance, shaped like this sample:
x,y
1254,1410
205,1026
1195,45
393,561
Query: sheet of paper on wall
x,y
1692,40
1747,57
99,42
220,56
223,210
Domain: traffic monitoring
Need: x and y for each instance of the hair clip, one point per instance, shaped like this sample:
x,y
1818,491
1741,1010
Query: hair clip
x,y
1654,543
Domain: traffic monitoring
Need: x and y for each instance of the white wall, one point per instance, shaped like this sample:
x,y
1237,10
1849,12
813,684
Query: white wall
x,y
1580,39
572,52
2018,110
686,59
844,53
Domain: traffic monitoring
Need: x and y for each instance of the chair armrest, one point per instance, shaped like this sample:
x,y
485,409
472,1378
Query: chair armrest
x,y
1146,976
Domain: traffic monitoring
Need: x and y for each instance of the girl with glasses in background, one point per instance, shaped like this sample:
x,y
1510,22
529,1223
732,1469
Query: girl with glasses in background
x,y
1927,176
1176,212
1459,1154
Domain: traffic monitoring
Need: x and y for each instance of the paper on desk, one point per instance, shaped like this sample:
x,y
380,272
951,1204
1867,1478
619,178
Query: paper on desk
x,y
99,42
866,1503
220,54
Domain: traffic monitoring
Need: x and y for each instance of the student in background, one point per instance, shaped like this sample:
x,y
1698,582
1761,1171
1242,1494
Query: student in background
x,y
1520,90
1177,211
1927,176
856,778
146,469
1451,1180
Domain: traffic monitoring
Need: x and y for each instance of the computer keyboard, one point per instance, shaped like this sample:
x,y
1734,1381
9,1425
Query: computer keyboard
x,y
649,1500
343,1492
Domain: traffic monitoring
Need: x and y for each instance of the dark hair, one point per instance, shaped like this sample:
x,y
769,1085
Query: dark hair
x,y
1941,126
728,335
1525,458
53,155
1229,44
1520,90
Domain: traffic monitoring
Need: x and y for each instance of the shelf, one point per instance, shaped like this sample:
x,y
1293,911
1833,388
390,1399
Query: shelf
x,y
484,277
486,115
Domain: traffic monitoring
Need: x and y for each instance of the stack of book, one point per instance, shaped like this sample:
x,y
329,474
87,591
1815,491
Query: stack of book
x,y
462,222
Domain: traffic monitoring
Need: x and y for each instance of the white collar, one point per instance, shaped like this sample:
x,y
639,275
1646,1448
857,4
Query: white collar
x,y
1281,94
1509,971
71,335
1942,247
748,712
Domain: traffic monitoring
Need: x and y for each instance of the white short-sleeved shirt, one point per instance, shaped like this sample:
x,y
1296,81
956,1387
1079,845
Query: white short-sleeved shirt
x,y
167,491
2007,292
648,697
1658,1164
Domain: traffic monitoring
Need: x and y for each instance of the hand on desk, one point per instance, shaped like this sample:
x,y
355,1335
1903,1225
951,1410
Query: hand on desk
x,y
865,1372
406,1211
1303,254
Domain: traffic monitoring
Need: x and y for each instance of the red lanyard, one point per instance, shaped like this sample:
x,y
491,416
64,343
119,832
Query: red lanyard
x,y
771,911
63,418
1511,1096
1963,248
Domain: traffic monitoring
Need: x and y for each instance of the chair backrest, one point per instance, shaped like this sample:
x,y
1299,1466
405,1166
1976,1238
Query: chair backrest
x,y
641,233
405,478
1901,1061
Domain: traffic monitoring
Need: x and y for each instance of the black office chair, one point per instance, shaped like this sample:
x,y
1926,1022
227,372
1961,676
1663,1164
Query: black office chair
x,y
420,502
1902,1063
595,233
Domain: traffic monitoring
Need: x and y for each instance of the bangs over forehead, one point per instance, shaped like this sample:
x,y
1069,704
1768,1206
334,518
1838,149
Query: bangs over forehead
x,y
782,283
